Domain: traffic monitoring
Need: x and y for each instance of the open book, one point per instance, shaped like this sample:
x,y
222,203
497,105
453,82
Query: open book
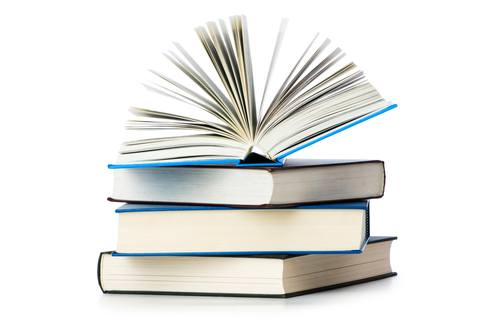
x,y
319,98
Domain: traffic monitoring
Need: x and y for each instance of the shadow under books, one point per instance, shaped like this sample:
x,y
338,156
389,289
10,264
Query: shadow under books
x,y
151,303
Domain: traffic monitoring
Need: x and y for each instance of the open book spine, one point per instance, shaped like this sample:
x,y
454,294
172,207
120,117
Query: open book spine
x,y
263,161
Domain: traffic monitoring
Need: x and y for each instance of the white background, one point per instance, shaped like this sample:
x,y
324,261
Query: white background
x,y
69,69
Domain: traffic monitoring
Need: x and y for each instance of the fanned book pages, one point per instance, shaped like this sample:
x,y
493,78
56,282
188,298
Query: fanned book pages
x,y
321,96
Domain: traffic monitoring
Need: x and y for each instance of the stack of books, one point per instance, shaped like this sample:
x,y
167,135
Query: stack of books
x,y
223,212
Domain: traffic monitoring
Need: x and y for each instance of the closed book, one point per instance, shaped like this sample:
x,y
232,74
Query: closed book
x,y
297,182
252,276
208,230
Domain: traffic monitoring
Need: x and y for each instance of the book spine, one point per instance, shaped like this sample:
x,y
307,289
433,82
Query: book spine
x,y
99,264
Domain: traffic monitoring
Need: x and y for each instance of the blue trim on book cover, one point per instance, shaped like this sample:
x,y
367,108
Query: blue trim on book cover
x,y
240,163
177,163
131,207
246,253
361,120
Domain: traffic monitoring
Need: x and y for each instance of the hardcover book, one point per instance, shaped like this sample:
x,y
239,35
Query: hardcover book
x,y
252,276
297,182
323,94
208,230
